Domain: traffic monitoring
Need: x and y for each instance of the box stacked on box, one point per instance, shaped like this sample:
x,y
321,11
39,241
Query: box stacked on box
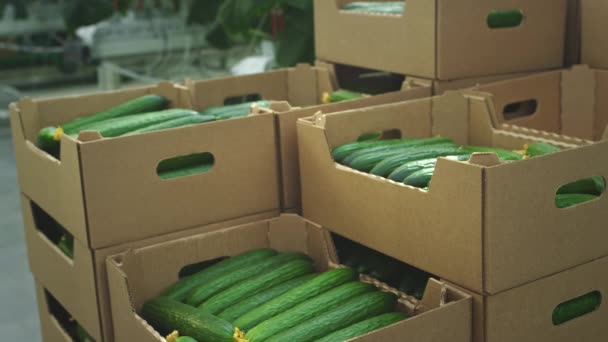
x,y
488,226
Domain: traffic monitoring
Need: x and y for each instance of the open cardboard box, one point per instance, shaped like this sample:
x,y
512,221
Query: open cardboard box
x,y
568,102
524,314
443,39
107,192
141,274
481,220
594,37
80,283
296,93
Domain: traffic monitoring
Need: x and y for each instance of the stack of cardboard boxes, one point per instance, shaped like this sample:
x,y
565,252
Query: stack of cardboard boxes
x,y
505,257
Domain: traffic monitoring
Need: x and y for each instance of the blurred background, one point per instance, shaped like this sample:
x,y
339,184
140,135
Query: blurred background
x,y
60,47
50,47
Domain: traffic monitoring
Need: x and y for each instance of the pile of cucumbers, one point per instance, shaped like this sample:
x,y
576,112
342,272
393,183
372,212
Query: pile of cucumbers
x,y
384,7
412,162
263,295
393,272
144,114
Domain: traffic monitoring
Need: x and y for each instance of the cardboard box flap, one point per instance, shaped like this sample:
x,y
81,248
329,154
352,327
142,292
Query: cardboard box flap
x,y
303,85
578,103
412,122
451,117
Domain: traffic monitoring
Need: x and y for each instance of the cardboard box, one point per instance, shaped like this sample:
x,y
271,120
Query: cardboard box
x,y
524,314
290,89
80,283
102,188
593,33
443,39
567,102
481,220
140,275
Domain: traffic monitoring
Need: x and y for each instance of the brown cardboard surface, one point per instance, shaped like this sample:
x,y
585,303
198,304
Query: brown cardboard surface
x,y
50,329
443,39
575,94
141,274
594,37
101,189
80,284
476,225
524,314
302,85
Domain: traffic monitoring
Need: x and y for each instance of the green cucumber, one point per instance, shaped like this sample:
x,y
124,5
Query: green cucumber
x,y
167,315
540,149
385,7
420,179
174,123
400,173
319,284
66,245
343,151
82,335
180,290
254,285
501,153
350,312
576,307
235,311
307,310
204,291
569,200
367,161
405,144
364,327
241,109
592,186
49,137
341,95
185,339
119,126
389,164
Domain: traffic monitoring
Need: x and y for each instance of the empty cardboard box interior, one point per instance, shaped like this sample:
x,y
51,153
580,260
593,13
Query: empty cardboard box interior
x,y
141,274
480,220
444,39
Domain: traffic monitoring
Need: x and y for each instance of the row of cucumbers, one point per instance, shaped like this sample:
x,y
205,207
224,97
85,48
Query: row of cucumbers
x,y
413,161
264,295
144,114
393,272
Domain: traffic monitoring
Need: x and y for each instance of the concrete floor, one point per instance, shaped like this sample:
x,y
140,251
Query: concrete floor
x,y
19,313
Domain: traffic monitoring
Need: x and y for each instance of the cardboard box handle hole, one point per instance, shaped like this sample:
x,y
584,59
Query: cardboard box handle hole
x,y
505,19
518,110
576,308
185,165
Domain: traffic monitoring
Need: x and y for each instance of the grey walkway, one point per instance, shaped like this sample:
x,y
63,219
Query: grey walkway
x,y
18,312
